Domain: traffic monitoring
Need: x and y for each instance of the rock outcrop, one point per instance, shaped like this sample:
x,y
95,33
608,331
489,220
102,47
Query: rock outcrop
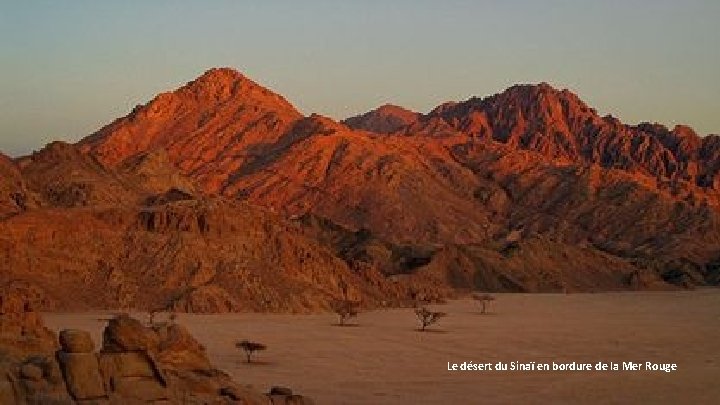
x,y
29,373
159,364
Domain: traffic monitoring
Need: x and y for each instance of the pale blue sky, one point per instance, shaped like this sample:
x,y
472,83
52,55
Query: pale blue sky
x,y
68,67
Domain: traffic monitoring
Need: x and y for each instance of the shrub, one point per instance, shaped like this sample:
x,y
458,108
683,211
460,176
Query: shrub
x,y
345,309
427,317
250,348
484,300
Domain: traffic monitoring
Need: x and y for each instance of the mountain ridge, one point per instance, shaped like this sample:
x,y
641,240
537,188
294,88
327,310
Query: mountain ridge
x,y
531,157
526,190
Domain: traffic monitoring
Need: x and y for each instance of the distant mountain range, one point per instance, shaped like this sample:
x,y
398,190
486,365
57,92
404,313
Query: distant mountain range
x,y
221,196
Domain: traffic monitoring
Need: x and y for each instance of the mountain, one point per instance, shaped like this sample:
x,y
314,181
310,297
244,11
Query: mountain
x,y
385,119
560,126
531,159
139,235
221,196
211,128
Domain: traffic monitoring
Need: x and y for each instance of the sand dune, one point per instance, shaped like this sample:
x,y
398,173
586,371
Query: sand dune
x,y
385,361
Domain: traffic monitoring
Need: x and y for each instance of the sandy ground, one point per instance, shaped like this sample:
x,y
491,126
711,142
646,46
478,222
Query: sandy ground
x,y
384,360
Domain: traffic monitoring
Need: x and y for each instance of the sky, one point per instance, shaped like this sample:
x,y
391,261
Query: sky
x,y
69,67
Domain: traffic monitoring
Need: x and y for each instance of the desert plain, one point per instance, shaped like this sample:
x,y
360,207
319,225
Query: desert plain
x,y
383,359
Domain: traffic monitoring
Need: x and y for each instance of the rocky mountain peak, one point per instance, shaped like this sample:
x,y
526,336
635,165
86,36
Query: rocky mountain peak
x,y
385,119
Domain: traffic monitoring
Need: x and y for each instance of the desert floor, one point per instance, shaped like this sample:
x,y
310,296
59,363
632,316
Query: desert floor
x,y
384,360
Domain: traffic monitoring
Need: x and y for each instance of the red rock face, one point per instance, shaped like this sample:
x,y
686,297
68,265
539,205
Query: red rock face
x,y
561,127
532,158
209,127
527,190
140,235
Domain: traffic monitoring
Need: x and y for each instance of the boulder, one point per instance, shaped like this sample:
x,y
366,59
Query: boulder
x,y
280,391
247,395
198,383
298,400
290,400
284,396
165,364
76,341
31,371
34,388
82,375
126,334
131,364
140,388
179,350
50,370
114,366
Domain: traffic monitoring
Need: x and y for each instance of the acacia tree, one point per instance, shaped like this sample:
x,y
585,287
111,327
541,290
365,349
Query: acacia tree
x,y
484,301
250,348
427,317
345,309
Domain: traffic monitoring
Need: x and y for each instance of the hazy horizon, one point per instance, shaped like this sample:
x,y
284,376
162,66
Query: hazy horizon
x,y
70,68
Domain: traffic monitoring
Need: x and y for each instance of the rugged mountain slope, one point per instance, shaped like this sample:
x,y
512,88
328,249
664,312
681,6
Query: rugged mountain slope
x,y
405,191
221,196
532,160
614,211
61,176
110,238
14,196
530,265
256,146
202,256
210,127
385,119
563,128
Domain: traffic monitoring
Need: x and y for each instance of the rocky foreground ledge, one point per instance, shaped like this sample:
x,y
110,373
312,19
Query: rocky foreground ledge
x,y
136,364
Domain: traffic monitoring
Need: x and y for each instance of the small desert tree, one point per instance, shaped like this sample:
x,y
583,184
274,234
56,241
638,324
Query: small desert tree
x,y
345,309
151,317
427,317
250,348
484,300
